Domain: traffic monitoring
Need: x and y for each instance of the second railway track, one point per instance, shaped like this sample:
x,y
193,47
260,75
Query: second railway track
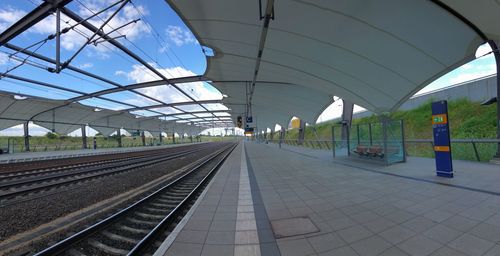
x,y
28,184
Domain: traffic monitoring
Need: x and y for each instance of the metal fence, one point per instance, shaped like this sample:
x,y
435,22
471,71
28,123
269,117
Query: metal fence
x,y
463,149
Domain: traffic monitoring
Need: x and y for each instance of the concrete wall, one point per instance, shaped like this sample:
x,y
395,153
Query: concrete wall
x,y
479,90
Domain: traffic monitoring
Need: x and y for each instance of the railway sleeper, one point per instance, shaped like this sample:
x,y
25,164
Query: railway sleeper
x,y
149,216
165,205
119,237
75,252
178,197
142,222
111,250
170,201
181,190
157,210
132,230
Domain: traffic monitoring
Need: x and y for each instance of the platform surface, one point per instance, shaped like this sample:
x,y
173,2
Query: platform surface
x,y
341,208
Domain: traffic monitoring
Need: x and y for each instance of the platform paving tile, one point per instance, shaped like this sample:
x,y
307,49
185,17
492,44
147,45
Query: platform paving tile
x,y
471,245
370,246
357,212
442,234
447,251
342,251
419,245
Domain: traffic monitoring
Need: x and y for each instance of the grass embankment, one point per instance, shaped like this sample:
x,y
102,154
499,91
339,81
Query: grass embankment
x,y
468,120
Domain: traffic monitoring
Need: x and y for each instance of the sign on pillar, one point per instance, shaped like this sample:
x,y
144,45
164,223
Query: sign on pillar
x,y
442,145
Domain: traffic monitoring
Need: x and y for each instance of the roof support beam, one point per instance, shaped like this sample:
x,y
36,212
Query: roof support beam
x,y
144,85
95,30
30,19
175,104
263,36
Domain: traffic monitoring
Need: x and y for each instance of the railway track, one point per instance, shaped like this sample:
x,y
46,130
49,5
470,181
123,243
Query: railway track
x,y
26,184
41,166
139,228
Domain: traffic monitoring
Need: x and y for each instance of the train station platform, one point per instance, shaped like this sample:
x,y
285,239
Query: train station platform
x,y
47,155
293,201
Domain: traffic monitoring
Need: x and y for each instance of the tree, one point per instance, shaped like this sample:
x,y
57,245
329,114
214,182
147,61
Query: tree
x,y
51,135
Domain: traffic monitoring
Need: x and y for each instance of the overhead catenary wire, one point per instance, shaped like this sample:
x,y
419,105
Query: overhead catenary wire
x,y
176,87
156,35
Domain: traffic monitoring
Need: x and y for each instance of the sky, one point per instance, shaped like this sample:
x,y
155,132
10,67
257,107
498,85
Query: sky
x,y
159,37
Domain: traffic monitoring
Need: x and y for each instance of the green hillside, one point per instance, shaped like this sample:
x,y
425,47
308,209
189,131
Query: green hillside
x,y
467,120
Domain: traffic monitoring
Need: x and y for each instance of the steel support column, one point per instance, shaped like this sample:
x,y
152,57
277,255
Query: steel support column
x,y
161,139
282,135
143,138
84,137
496,53
173,137
119,135
302,132
26,136
347,109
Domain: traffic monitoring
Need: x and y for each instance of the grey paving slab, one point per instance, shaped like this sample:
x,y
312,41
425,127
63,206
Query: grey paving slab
x,y
371,246
358,209
419,246
471,245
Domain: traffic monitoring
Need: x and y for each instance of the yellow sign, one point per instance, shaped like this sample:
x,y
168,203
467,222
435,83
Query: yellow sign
x,y
442,148
439,119
295,123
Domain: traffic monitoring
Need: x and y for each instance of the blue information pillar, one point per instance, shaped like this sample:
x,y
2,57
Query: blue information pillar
x,y
441,132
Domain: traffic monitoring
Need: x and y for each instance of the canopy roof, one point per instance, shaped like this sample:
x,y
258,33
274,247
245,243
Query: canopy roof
x,y
64,118
103,25
375,53
286,57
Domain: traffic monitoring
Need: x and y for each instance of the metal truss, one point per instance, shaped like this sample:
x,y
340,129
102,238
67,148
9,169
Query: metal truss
x,y
48,7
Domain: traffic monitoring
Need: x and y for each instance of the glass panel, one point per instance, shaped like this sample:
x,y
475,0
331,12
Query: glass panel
x,y
215,106
99,103
191,108
167,110
143,113
13,86
185,116
130,98
395,147
203,115
222,114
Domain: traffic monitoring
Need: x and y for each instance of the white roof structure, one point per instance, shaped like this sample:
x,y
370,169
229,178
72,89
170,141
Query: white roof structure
x,y
375,53
286,57
64,118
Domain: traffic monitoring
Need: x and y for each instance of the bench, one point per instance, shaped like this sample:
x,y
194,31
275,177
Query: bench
x,y
374,151
361,150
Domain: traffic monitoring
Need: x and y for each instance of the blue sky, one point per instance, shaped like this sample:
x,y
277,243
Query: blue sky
x,y
160,38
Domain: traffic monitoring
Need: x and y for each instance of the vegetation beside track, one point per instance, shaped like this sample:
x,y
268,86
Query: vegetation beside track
x,y
468,120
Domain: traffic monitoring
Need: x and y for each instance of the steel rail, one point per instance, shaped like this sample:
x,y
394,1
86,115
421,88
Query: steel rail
x,y
34,170
68,242
97,172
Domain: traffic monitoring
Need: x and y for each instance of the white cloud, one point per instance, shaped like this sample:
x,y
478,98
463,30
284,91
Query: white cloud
x,y
9,16
86,65
72,40
180,36
128,13
167,93
4,59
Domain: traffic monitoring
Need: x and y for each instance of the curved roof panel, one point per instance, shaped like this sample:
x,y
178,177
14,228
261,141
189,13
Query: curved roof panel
x,y
374,53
